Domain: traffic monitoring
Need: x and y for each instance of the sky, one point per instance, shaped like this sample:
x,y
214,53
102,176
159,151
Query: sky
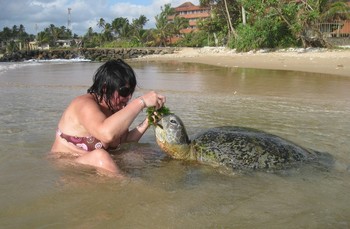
x,y
36,15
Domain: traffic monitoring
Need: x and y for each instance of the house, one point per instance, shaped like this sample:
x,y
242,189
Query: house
x,y
33,45
342,30
336,28
191,12
64,43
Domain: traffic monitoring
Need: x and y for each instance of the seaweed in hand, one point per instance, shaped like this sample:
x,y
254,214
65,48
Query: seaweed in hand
x,y
154,115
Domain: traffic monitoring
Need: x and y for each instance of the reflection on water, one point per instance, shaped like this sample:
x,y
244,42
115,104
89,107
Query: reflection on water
x,y
309,109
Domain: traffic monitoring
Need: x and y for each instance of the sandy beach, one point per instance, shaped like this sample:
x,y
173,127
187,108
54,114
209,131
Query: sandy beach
x,y
326,61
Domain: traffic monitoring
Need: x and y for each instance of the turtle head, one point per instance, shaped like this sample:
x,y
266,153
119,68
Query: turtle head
x,y
172,137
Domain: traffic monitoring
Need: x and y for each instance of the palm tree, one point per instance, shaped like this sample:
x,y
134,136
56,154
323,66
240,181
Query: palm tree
x,y
21,32
179,23
139,23
89,34
163,30
6,34
107,33
101,23
54,32
15,32
334,11
43,38
138,33
121,27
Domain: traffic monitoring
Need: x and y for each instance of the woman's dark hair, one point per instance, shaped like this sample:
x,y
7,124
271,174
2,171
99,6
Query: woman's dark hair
x,y
110,77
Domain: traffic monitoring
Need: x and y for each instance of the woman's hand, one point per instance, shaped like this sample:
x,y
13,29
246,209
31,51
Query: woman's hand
x,y
153,99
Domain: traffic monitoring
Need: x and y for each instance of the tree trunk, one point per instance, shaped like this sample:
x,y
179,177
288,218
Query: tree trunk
x,y
215,39
229,20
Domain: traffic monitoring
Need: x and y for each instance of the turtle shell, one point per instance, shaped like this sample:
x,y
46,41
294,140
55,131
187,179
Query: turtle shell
x,y
246,148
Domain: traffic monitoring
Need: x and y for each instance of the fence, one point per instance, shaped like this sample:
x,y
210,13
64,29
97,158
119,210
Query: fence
x,y
335,29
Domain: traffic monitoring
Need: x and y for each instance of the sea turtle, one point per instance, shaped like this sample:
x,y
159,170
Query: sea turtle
x,y
238,148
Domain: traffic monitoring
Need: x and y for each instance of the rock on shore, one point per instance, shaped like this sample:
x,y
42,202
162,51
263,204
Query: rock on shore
x,y
95,54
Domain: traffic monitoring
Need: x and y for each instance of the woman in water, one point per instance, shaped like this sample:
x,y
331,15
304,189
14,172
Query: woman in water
x,y
98,121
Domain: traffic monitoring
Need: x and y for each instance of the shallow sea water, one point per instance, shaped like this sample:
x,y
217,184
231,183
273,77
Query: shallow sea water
x,y
309,109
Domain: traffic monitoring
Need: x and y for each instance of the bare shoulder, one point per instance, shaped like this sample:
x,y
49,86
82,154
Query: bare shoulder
x,y
85,98
83,101
82,105
81,113
87,108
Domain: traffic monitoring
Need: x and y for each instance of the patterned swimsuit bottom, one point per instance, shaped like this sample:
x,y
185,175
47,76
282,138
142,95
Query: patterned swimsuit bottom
x,y
89,143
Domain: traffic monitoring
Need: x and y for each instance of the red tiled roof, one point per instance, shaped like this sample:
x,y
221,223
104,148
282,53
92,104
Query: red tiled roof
x,y
192,12
187,6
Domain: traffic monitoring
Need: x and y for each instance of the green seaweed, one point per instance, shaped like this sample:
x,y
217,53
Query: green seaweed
x,y
154,115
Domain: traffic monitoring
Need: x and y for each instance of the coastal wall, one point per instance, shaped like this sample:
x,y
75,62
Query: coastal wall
x,y
90,54
339,41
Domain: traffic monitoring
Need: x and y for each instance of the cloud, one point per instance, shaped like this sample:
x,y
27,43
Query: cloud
x,y
36,15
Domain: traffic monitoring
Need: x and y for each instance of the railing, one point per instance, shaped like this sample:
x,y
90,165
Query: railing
x,y
335,29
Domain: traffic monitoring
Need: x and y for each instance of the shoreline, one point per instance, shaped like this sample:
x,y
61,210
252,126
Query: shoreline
x,y
324,61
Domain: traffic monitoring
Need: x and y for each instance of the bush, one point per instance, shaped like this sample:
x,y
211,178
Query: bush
x,y
265,33
195,39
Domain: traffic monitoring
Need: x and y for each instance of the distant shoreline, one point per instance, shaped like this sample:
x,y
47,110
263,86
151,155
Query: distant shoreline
x,y
93,54
335,62
315,60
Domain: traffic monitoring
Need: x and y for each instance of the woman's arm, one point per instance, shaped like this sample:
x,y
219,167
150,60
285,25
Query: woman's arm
x,y
135,134
110,129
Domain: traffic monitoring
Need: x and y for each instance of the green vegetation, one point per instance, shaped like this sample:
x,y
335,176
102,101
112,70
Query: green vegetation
x,y
255,24
154,115
241,24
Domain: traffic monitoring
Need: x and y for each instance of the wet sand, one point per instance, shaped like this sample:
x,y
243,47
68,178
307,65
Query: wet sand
x,y
326,61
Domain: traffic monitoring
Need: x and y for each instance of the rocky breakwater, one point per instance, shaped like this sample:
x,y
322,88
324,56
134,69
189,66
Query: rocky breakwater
x,y
93,54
